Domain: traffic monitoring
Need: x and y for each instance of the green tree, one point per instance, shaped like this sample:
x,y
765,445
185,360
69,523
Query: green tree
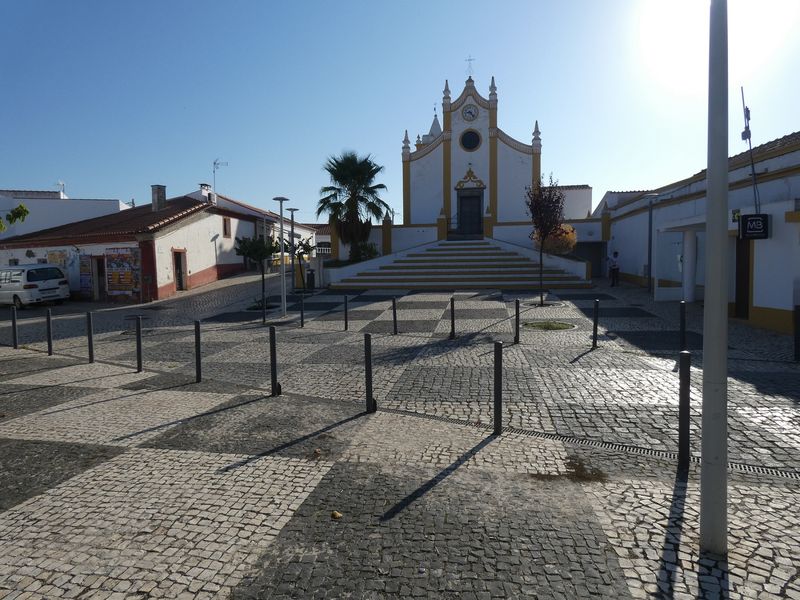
x,y
352,200
546,207
259,250
15,214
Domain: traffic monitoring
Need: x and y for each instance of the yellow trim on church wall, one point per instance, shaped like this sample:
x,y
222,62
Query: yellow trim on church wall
x,y
441,228
776,319
605,227
446,177
493,177
536,168
406,192
487,225
792,216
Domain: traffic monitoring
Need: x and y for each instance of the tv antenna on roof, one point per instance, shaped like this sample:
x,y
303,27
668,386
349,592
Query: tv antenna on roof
x,y
217,164
746,137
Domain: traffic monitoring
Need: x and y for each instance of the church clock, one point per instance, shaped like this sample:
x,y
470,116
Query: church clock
x,y
469,112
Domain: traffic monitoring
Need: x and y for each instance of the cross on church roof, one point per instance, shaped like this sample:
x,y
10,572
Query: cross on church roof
x,y
469,60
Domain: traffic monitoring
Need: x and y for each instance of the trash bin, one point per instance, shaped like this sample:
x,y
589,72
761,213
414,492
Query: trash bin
x,y
309,279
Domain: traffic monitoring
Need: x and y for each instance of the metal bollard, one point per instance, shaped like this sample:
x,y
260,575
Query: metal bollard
x,y
273,364
498,388
372,406
683,326
596,319
49,332
684,363
394,315
138,344
302,310
452,318
14,330
90,336
516,321
345,313
797,333
198,368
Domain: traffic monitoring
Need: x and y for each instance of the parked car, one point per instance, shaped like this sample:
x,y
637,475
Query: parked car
x,y
32,284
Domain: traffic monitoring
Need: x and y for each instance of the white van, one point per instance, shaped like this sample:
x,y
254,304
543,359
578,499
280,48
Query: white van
x,y
32,284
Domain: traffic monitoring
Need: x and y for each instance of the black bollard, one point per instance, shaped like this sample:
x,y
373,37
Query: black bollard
x,y
596,319
198,369
796,333
49,332
683,326
684,362
498,388
90,336
138,344
516,321
14,330
345,313
394,315
372,406
302,310
452,318
273,364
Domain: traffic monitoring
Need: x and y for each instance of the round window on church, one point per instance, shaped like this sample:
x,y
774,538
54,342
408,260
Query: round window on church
x,y
470,140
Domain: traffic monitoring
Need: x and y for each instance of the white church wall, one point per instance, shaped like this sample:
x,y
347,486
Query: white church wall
x,y
426,187
577,203
514,234
514,170
587,231
629,238
404,238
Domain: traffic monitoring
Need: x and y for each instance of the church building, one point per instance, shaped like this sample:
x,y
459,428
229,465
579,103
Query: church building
x,y
469,178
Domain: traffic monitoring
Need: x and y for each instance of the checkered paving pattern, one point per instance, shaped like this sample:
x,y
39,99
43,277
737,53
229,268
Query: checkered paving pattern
x,y
125,484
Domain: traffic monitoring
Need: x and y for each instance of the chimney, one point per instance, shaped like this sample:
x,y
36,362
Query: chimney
x,y
159,197
205,189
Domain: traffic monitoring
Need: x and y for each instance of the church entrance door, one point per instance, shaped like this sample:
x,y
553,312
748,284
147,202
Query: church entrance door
x,y
470,215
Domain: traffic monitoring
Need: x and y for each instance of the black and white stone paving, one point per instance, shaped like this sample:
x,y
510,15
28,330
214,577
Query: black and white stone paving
x,y
117,484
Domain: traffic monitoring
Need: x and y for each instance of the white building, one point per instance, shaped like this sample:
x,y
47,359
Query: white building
x,y
52,208
660,235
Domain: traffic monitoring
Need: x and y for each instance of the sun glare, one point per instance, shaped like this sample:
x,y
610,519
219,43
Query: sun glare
x,y
672,40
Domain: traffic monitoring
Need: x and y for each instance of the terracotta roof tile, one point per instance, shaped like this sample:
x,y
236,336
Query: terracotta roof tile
x,y
123,224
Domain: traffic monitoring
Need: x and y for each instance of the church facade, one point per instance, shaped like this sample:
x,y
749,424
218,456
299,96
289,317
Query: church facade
x,y
467,177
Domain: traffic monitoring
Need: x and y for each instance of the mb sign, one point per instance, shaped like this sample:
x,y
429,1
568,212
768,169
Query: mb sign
x,y
754,227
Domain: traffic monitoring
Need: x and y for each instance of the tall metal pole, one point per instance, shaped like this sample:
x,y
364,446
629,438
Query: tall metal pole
x,y
291,249
281,200
714,449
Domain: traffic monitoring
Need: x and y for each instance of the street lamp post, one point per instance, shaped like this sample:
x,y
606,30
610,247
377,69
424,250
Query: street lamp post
x,y
714,450
292,249
281,200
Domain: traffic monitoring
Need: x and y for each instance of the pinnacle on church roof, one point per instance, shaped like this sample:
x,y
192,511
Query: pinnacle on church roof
x,y
406,141
446,91
469,82
536,132
436,129
492,86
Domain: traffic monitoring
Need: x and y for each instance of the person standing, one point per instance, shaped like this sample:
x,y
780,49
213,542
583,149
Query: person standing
x,y
613,268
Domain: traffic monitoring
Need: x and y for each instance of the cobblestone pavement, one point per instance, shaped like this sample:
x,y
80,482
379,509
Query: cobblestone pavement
x,y
120,484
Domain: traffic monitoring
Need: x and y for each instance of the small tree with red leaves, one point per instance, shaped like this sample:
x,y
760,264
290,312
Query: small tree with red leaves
x,y
545,205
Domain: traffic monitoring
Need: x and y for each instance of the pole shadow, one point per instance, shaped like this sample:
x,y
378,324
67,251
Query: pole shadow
x,y
432,483
289,444
670,547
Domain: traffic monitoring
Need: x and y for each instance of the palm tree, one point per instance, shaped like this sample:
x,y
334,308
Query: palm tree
x,y
352,200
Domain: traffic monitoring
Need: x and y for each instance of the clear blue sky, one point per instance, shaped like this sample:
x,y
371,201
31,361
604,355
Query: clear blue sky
x,y
114,96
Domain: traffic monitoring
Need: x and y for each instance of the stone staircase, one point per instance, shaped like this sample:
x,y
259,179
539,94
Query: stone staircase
x,y
461,264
